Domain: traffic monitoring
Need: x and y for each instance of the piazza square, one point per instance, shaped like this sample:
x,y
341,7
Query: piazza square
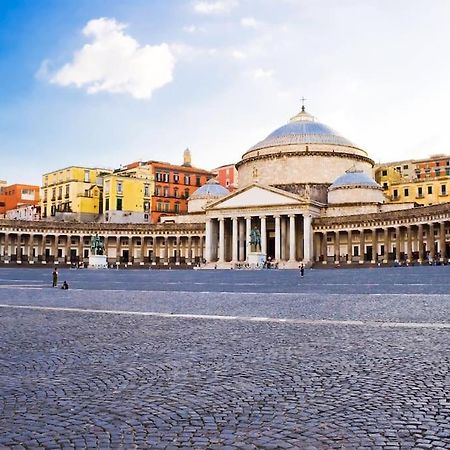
x,y
219,359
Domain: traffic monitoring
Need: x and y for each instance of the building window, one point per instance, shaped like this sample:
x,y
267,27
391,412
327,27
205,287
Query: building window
x,y
146,206
146,190
443,189
60,193
186,193
405,167
107,204
187,179
356,250
437,172
67,190
385,185
119,204
177,208
197,181
166,206
176,178
384,173
406,192
175,192
419,191
395,193
157,191
119,187
107,187
437,163
86,176
430,190
166,192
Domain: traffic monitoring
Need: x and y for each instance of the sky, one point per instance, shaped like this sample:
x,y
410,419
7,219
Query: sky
x,y
101,83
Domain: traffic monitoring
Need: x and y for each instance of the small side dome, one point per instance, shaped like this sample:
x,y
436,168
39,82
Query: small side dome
x,y
355,186
353,179
210,190
205,194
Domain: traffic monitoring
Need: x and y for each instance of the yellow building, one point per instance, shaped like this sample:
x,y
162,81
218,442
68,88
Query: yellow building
x,y
426,192
127,196
425,182
72,193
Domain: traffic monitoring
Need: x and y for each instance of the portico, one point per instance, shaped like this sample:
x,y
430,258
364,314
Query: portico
x,y
282,219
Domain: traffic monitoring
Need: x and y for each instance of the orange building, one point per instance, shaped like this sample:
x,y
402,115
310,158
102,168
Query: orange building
x,y
173,186
16,195
227,176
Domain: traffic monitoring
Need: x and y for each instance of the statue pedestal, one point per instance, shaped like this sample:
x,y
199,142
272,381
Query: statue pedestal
x,y
97,262
256,259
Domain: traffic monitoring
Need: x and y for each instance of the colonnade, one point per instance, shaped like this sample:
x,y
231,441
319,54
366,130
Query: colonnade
x,y
284,237
35,248
412,242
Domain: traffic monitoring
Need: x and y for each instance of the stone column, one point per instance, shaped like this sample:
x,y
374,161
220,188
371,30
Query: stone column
x,y
361,246
277,238
30,247
420,241
241,227
431,239
374,246
221,240
337,247
166,250
208,236
409,244
144,251
324,247
18,247
349,247
67,249
6,245
292,242
442,248
307,238
248,229
397,243
386,245
55,248
189,250
234,240
178,249
263,234
283,223
118,249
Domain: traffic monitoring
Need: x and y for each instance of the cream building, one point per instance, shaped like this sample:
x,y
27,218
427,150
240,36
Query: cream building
x,y
307,190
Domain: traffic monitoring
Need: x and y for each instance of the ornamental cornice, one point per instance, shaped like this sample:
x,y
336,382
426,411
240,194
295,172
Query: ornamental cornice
x,y
279,154
414,216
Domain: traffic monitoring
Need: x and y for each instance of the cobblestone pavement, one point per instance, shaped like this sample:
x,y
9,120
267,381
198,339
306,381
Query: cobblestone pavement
x,y
84,379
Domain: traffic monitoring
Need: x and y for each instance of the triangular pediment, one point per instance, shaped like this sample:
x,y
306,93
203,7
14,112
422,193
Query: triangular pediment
x,y
257,195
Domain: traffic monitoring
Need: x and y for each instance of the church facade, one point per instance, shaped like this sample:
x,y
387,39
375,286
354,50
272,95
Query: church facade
x,y
305,191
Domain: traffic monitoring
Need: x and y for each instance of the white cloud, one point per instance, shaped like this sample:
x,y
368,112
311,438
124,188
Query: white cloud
x,y
249,22
190,28
115,62
237,54
214,7
262,73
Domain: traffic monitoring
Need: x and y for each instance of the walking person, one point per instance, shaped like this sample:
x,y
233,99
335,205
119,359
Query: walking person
x,y
302,270
55,277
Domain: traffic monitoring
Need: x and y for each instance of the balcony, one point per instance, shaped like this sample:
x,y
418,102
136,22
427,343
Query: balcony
x,y
395,197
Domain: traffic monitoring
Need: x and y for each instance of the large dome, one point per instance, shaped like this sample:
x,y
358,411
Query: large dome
x,y
303,129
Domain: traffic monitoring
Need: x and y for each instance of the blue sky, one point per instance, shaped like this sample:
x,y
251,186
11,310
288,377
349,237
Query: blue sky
x,y
105,82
